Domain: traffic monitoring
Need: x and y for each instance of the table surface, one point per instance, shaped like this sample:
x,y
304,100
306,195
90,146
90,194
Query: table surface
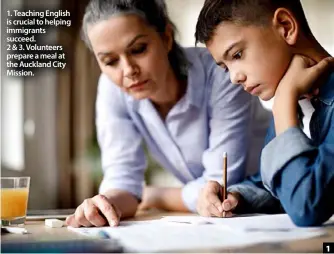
x,y
39,232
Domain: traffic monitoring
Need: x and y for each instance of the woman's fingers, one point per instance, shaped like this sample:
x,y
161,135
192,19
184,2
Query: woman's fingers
x,y
70,221
92,214
108,210
96,211
80,217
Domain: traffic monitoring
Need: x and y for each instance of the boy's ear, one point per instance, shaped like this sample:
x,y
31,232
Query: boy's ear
x,y
286,25
168,37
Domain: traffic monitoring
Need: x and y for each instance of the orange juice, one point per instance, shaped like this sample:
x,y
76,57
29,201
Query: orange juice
x,y
14,203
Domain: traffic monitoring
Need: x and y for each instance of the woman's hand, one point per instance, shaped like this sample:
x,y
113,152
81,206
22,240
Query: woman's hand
x,y
97,211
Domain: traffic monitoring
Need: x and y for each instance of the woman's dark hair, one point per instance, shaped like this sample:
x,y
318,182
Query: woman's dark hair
x,y
154,12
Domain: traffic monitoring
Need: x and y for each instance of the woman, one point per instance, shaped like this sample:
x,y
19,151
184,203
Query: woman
x,y
176,100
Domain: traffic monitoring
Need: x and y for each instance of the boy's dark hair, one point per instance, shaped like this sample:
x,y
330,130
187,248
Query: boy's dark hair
x,y
244,12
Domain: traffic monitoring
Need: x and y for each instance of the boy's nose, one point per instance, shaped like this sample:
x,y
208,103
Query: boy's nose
x,y
238,78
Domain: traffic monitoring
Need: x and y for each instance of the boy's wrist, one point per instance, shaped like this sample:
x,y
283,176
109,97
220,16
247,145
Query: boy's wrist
x,y
284,97
286,91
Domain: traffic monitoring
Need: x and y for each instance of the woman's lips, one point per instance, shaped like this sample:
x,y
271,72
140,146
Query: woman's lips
x,y
138,86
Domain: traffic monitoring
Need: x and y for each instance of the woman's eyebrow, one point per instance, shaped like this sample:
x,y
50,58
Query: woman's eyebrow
x,y
129,44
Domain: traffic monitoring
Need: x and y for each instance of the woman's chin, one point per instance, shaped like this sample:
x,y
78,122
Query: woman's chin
x,y
140,95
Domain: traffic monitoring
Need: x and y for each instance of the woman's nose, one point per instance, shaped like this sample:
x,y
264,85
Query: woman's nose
x,y
130,68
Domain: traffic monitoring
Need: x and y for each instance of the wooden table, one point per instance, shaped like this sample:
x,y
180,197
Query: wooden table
x,y
38,232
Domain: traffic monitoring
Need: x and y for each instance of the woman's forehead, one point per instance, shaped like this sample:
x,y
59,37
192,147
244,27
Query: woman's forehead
x,y
118,32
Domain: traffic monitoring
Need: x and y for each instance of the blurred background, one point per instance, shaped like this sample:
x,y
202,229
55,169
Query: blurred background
x,y
47,121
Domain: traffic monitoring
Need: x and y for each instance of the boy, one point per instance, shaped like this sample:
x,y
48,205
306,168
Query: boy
x,y
268,48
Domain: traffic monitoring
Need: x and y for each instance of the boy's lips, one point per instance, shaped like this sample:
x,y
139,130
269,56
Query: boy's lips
x,y
251,89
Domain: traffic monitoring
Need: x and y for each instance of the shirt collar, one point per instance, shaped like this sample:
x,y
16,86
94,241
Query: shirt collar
x,y
326,93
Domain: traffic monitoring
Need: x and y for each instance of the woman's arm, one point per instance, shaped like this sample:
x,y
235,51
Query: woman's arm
x,y
164,198
123,158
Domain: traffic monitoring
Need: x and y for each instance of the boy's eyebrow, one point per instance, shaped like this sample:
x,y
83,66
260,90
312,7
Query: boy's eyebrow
x,y
129,44
228,49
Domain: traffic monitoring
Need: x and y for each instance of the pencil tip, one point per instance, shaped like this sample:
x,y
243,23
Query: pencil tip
x,y
225,154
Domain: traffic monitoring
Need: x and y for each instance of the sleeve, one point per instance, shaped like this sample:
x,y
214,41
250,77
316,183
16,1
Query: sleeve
x,y
229,125
301,174
255,198
123,158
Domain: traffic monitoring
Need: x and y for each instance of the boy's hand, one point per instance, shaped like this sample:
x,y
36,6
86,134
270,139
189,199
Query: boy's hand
x,y
304,76
209,203
96,211
230,204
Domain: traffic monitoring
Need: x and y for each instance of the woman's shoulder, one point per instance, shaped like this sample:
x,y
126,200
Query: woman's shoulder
x,y
199,54
201,61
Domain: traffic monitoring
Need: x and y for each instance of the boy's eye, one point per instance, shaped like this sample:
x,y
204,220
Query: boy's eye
x,y
139,49
237,55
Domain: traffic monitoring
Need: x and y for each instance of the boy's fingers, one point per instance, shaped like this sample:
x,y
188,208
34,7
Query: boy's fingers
x,y
213,211
228,214
323,65
215,201
230,203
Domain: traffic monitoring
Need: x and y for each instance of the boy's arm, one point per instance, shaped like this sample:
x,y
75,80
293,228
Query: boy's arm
x,y
254,198
297,171
250,194
301,175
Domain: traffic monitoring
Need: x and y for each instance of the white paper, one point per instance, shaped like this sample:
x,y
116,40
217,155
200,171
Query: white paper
x,y
165,236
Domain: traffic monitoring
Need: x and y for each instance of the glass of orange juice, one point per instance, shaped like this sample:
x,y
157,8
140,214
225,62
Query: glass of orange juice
x,y
14,200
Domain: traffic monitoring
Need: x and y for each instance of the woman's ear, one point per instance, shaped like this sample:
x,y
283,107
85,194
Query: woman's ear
x,y
285,23
169,37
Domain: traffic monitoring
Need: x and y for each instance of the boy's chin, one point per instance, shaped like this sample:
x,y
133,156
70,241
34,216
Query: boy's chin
x,y
266,95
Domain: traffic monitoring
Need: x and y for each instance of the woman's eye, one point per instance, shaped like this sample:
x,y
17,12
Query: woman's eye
x,y
110,62
237,55
140,49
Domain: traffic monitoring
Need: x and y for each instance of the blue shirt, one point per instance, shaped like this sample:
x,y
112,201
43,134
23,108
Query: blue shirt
x,y
296,170
212,117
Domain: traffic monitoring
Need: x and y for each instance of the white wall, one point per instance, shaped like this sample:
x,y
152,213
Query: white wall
x,y
320,16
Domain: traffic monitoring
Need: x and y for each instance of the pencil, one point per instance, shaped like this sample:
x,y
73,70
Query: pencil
x,y
224,179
